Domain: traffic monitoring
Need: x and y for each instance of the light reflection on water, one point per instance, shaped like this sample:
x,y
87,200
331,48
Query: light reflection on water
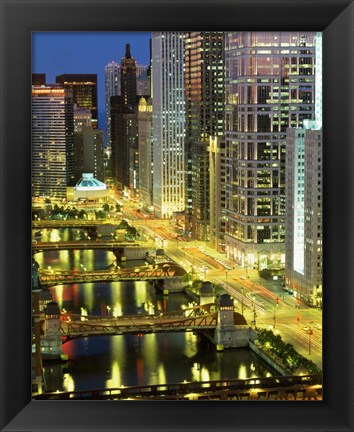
x,y
113,361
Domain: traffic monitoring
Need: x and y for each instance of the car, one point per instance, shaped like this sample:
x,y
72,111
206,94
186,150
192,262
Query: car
x,y
318,326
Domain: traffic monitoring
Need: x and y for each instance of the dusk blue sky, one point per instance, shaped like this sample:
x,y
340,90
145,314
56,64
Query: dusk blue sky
x,y
56,53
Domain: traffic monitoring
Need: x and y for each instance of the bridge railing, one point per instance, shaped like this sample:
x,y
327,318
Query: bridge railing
x,y
310,385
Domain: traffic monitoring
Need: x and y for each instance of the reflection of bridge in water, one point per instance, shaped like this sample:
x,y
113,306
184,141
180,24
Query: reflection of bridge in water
x,y
192,319
158,271
305,387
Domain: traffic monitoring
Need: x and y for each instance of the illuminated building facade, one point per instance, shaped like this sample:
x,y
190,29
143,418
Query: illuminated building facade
x,y
124,128
128,79
168,121
204,89
216,151
143,85
145,152
303,266
52,141
270,87
89,152
84,89
303,269
112,88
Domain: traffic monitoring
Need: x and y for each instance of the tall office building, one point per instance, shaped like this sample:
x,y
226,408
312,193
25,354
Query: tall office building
x,y
124,128
89,153
143,85
128,79
84,89
52,141
168,122
303,269
270,86
303,264
145,153
112,88
204,88
217,196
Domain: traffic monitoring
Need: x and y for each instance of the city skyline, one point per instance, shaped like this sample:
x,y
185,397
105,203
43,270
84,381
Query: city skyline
x,y
266,83
57,53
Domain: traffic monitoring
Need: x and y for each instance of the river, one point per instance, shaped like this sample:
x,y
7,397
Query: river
x,y
113,361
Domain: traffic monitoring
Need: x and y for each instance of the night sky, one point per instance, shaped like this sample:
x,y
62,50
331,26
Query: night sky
x,y
56,53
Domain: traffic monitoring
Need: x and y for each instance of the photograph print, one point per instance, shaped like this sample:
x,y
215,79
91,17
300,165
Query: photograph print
x,y
177,215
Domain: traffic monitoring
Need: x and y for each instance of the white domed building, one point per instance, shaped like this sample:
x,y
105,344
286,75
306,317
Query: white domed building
x,y
90,188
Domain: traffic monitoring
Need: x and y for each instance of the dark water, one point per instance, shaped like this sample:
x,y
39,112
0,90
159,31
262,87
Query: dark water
x,y
113,361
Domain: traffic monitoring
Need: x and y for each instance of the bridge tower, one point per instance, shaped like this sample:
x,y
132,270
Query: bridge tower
x,y
227,333
51,343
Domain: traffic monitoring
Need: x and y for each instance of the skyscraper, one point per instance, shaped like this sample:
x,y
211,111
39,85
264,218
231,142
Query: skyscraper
x,y
303,265
128,79
84,90
303,269
112,88
124,128
145,152
270,86
52,141
168,122
204,88
88,146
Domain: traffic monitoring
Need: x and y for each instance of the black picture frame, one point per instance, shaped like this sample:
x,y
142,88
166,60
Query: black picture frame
x,y
21,17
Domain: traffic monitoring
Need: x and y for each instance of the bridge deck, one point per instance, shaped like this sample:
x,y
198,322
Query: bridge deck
x,y
144,324
159,271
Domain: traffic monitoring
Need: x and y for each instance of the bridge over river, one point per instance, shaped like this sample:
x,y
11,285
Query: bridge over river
x,y
160,271
191,319
91,244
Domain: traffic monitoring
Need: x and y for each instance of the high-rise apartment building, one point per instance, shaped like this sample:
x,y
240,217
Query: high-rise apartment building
x,y
52,141
270,87
204,89
168,122
112,88
84,90
145,153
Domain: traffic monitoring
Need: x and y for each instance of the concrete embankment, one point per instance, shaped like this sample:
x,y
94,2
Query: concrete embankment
x,y
282,370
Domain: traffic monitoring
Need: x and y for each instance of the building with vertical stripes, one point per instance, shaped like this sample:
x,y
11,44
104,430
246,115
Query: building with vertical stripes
x,y
168,122
204,89
52,141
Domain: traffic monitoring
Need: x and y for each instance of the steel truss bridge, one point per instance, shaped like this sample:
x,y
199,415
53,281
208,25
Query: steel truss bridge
x,y
195,318
147,272
90,244
304,387
72,223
